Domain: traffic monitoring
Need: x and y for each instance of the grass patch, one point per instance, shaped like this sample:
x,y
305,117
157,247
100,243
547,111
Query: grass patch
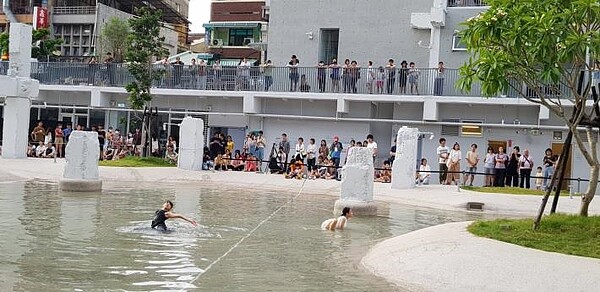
x,y
508,190
568,234
134,161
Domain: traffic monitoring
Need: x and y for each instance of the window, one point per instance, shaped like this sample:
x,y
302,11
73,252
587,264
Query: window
x,y
457,44
329,44
237,36
471,130
450,129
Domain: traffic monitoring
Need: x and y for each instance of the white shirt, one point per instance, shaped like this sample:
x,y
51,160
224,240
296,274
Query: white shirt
x,y
424,171
525,162
311,149
455,155
300,150
373,145
442,153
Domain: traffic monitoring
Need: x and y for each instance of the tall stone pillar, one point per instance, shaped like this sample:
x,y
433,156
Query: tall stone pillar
x,y
404,167
18,88
191,144
358,177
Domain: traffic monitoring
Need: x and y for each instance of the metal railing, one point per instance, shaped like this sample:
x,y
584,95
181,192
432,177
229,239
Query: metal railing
x,y
400,81
466,3
72,10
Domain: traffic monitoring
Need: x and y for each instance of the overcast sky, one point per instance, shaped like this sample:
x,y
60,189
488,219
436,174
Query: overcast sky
x,y
199,13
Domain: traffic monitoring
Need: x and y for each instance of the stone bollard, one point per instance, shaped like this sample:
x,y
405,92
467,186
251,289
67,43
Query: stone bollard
x,y
191,144
357,183
81,170
404,167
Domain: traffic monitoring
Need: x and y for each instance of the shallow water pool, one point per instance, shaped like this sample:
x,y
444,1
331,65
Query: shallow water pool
x,y
262,241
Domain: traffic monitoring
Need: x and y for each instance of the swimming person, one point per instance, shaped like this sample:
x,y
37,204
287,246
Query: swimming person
x,y
160,216
337,223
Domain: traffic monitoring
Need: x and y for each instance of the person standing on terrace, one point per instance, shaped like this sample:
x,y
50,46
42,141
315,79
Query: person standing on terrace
x,y
354,75
391,76
403,76
413,78
294,77
438,86
335,76
322,76
371,76
217,75
267,71
346,76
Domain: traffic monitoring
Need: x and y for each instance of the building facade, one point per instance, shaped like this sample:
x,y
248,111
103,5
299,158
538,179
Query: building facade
x,y
80,22
237,30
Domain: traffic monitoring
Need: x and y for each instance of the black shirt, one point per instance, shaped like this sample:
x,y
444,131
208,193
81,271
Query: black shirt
x,y
159,219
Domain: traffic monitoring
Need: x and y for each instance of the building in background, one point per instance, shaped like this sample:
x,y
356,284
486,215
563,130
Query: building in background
x,y
237,30
420,31
79,22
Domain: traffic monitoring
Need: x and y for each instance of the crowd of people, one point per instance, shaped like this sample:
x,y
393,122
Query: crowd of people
x,y
500,169
114,145
329,76
303,161
311,160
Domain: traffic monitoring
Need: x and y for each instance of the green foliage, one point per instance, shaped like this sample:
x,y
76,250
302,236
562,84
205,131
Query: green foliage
x,y
143,44
506,190
111,38
43,45
133,161
530,41
574,235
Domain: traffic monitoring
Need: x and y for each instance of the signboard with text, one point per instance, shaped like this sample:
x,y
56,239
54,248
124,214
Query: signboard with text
x,y
40,17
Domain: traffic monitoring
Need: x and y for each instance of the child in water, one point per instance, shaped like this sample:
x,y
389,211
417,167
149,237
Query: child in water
x,y
337,223
160,216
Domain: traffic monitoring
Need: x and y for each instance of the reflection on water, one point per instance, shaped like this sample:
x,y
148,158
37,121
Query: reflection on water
x,y
65,241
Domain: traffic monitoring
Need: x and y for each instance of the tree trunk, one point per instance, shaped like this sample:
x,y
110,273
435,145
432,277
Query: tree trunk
x,y
588,196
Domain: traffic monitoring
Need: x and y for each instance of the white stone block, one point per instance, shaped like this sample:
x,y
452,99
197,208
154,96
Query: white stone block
x,y
404,167
81,154
191,144
358,176
19,49
15,130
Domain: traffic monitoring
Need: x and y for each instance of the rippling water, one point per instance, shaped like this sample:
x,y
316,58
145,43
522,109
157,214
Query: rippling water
x,y
102,241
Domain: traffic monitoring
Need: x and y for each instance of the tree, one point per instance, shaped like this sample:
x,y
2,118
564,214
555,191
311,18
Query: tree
x,y
548,47
111,38
144,44
43,45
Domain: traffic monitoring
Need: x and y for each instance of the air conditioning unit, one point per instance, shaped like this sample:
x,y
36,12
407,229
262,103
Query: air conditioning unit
x,y
248,41
217,42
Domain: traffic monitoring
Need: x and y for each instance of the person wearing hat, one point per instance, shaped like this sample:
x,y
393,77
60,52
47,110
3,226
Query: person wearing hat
x,y
336,152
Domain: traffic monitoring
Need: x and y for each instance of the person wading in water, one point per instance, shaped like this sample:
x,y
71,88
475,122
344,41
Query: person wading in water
x,y
160,216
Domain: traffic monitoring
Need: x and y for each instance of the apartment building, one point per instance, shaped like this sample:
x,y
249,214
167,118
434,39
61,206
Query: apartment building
x,y
237,29
79,22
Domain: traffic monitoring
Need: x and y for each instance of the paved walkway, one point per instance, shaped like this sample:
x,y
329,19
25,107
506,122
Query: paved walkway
x,y
449,258
440,258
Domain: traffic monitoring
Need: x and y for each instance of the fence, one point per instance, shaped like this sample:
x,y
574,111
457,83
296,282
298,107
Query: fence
x,y
401,81
466,3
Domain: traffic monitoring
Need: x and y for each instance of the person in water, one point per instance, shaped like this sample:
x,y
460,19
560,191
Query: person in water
x,y
160,216
337,223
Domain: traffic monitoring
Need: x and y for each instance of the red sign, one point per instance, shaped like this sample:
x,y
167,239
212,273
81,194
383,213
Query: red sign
x,y
40,17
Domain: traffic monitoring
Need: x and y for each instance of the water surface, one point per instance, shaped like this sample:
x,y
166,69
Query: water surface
x,y
102,241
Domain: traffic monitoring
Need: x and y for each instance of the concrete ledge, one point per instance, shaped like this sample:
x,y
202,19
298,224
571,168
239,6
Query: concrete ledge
x,y
358,208
449,258
80,185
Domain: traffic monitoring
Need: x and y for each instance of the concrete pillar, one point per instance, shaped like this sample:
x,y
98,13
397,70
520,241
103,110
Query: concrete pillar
x,y
18,88
191,144
357,183
404,167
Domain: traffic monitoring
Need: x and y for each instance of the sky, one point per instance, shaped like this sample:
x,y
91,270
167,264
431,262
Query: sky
x,y
199,13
